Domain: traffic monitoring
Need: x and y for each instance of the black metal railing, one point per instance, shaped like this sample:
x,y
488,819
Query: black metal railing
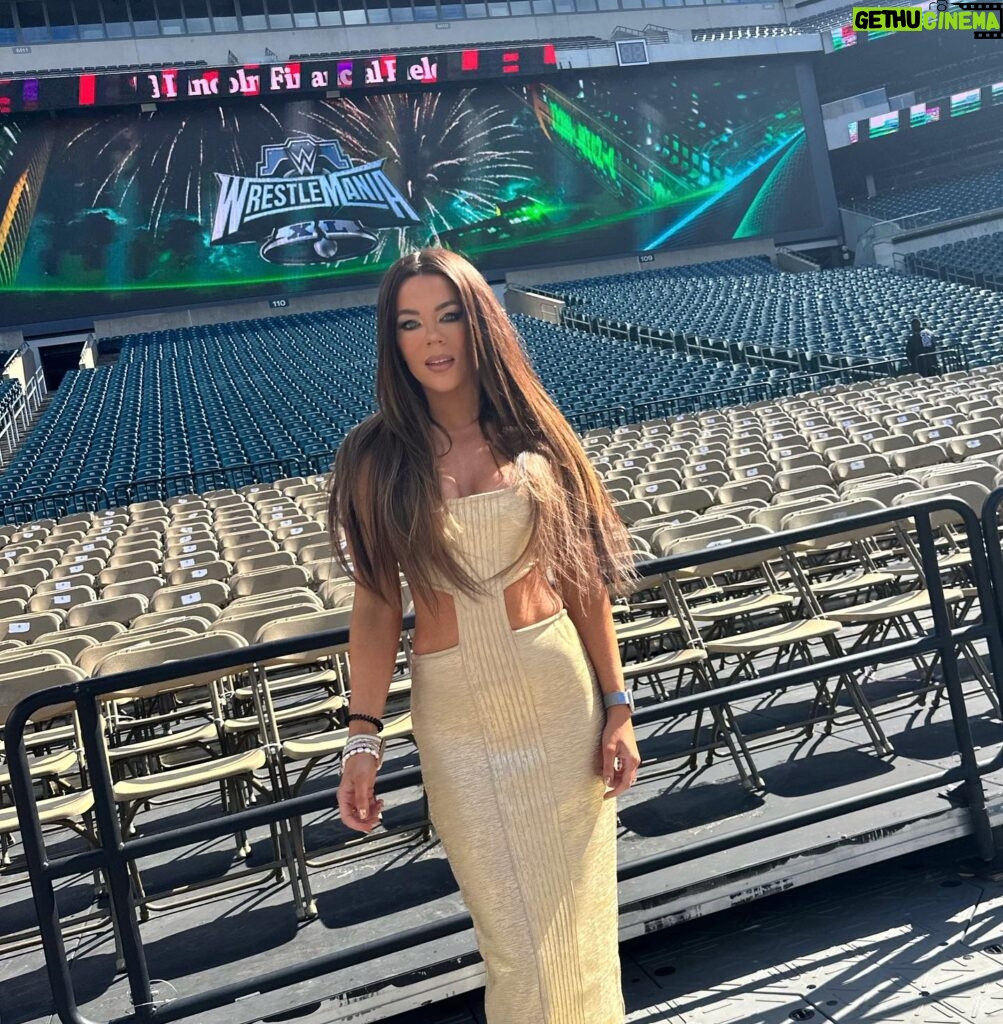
x,y
114,852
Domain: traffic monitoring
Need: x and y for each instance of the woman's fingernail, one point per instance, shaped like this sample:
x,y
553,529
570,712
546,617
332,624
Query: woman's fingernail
x,y
608,780
363,814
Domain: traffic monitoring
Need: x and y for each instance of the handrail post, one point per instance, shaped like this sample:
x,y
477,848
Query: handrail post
x,y
116,863
43,893
981,825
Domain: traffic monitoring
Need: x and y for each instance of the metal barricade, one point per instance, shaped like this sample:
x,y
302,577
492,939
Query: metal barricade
x,y
115,852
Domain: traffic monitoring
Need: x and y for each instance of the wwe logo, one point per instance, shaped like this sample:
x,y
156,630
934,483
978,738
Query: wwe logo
x,y
301,156
311,176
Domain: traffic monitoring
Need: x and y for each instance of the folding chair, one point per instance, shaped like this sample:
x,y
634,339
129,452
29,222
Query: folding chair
x,y
790,637
234,774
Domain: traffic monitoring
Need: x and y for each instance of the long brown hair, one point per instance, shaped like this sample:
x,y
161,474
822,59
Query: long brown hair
x,y
385,492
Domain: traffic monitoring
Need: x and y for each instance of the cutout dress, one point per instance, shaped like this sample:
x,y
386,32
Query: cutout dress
x,y
508,725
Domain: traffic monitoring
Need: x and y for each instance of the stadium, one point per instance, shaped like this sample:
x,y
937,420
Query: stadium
x,y
753,253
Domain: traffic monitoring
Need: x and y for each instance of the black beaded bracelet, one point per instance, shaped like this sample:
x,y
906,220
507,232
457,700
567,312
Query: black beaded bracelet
x,y
378,722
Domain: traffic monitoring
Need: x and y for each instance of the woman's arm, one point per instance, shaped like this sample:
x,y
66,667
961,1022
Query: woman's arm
x,y
592,613
373,641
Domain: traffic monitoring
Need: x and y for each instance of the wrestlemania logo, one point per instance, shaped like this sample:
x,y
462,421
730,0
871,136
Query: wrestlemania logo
x,y
308,174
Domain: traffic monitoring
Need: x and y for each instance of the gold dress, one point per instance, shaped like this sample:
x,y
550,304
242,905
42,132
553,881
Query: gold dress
x,y
508,725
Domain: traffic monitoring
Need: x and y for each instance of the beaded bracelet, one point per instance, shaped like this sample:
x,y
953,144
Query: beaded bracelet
x,y
360,750
363,744
378,722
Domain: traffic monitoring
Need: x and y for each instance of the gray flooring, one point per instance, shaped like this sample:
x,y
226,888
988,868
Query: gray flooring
x,y
918,939
861,919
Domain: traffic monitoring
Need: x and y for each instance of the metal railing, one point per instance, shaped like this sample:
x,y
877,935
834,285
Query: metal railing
x,y
954,275
114,852
15,421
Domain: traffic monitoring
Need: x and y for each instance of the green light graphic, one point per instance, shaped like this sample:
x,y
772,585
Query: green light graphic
x,y
586,142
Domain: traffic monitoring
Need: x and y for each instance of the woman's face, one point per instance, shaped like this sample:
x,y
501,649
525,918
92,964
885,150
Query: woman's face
x,y
432,333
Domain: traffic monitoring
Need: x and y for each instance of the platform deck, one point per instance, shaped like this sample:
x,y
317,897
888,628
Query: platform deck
x,y
757,962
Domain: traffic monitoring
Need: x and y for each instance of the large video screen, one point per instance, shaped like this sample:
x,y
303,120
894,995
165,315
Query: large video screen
x,y
118,212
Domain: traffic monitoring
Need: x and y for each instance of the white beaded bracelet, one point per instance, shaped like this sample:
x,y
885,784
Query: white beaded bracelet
x,y
363,744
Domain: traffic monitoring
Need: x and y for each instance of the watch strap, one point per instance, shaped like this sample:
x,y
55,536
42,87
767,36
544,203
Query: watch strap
x,y
618,697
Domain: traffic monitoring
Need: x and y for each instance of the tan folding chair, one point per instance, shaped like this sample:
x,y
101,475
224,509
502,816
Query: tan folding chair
x,y
79,564
269,580
29,578
803,477
67,800
72,646
745,490
103,546
974,446
204,572
61,600
125,559
660,640
235,774
271,560
14,606
308,548
278,600
697,499
892,444
189,561
309,750
98,631
247,623
304,527
908,459
17,593
207,613
339,593
187,594
120,609
258,547
628,511
665,536
853,571
29,625
125,574
883,491
145,588
92,658
790,637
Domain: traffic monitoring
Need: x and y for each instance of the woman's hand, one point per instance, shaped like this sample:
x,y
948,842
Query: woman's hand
x,y
618,742
360,810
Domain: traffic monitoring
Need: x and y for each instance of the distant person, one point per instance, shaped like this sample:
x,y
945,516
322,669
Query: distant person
x,y
921,350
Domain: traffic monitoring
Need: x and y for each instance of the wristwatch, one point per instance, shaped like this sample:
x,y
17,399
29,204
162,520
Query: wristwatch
x,y
611,700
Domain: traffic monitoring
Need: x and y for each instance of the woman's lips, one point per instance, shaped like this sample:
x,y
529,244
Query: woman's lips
x,y
440,365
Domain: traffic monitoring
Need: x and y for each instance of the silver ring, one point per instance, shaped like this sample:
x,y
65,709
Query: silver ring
x,y
617,763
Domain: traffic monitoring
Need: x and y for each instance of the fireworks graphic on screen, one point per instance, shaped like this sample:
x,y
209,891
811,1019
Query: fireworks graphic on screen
x,y
452,161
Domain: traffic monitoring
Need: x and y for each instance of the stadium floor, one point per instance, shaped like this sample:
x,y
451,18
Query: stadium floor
x,y
872,940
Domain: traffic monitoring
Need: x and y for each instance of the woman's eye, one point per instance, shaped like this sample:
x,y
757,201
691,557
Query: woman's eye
x,y
407,325
450,317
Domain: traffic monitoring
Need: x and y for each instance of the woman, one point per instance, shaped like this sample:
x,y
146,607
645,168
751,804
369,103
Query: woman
x,y
470,480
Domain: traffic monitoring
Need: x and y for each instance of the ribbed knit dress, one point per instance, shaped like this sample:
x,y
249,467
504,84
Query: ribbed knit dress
x,y
508,725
